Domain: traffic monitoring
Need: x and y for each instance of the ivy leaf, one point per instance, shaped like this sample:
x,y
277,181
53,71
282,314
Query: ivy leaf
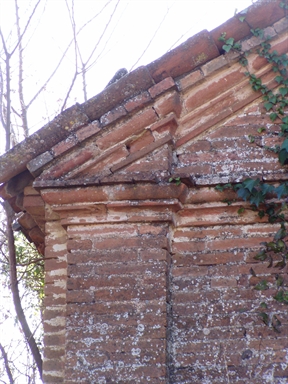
x,y
283,91
272,246
279,281
283,156
261,286
285,144
266,188
227,48
280,245
257,198
281,297
279,79
262,256
280,234
264,317
230,41
242,18
273,116
281,190
268,106
222,37
243,193
250,184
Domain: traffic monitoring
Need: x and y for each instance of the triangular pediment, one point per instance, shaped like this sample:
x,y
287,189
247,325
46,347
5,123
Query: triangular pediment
x,y
141,156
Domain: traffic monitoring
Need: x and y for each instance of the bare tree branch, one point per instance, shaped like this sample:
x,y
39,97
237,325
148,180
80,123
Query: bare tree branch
x,y
6,364
152,38
69,90
20,75
103,33
63,56
3,122
19,40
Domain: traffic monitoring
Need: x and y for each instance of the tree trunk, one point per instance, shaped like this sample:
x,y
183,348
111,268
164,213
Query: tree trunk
x,y
15,291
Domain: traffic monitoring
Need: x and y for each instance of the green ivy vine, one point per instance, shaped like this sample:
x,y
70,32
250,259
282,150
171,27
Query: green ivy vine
x,y
268,200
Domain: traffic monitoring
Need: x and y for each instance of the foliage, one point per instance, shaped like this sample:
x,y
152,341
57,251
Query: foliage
x,y
176,180
268,199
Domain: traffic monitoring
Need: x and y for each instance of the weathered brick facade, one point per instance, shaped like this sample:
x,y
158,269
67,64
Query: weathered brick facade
x,y
147,281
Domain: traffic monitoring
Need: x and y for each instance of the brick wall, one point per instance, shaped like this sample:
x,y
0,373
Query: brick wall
x,y
116,303
155,295
147,280
216,333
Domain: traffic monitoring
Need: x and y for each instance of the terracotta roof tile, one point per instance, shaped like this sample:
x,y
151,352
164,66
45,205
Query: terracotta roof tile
x,y
189,55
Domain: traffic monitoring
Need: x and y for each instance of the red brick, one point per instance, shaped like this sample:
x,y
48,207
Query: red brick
x,y
189,80
215,86
79,296
101,281
107,161
54,340
167,104
137,102
112,116
139,242
209,195
53,365
223,282
54,264
102,256
193,271
208,259
188,246
141,142
124,192
249,166
211,116
82,245
240,243
141,153
165,126
201,233
161,87
195,170
60,169
64,145
214,65
133,126
152,229
199,146
152,255
88,131
180,297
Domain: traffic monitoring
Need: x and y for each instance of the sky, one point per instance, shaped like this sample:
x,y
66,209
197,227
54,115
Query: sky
x,y
139,32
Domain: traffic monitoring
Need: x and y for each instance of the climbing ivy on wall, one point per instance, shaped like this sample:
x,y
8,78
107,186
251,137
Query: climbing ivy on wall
x,y
268,200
